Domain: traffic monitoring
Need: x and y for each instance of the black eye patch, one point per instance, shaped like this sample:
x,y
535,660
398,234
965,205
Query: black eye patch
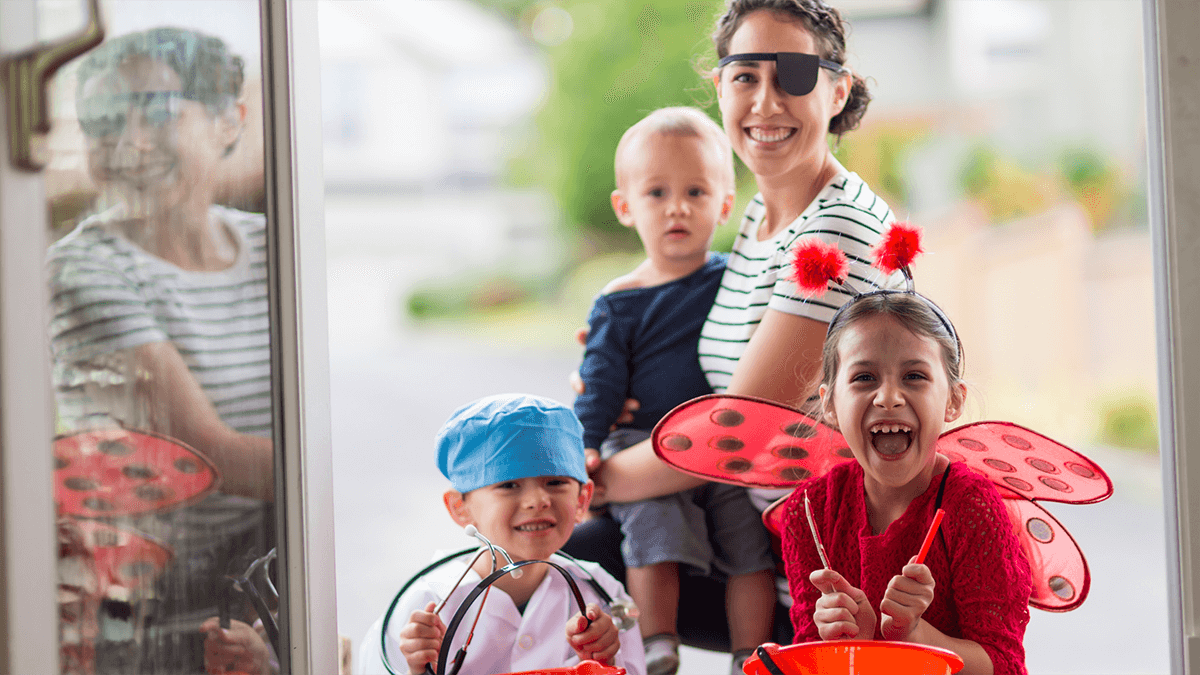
x,y
797,72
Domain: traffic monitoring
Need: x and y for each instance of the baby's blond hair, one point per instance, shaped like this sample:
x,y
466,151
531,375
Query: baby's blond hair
x,y
677,121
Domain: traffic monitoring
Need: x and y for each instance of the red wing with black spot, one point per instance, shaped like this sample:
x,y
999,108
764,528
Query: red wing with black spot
x,y
103,473
759,443
1026,462
1061,578
746,441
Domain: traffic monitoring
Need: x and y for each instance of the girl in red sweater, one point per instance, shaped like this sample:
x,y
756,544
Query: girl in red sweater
x,y
891,381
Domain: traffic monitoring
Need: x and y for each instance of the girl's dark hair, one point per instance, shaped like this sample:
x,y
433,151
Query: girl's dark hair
x,y
208,73
913,312
828,30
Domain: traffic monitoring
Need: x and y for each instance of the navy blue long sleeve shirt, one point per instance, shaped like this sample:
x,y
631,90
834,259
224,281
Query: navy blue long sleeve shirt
x,y
642,344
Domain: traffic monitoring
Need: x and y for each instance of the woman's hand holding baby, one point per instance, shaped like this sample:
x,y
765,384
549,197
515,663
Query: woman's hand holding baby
x,y
599,641
907,597
842,611
421,639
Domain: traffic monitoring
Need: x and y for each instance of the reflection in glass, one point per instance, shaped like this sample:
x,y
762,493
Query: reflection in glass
x,y
161,345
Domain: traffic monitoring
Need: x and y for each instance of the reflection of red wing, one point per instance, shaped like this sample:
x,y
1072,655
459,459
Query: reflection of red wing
x,y
1060,573
122,557
110,472
1026,462
746,441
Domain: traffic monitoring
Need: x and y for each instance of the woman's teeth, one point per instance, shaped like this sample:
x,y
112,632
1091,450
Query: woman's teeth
x,y
773,135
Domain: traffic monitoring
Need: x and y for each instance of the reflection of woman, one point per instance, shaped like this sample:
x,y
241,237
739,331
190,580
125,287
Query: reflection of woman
x,y
160,301
762,338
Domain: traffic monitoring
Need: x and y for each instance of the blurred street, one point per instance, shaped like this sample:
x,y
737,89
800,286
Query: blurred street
x,y
390,396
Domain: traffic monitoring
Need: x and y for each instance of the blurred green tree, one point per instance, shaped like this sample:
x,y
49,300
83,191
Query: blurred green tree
x,y
610,64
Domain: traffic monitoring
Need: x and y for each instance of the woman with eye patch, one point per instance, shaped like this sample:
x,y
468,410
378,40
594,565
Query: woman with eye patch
x,y
160,314
783,88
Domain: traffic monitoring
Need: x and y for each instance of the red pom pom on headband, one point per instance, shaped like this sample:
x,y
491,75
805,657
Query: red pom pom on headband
x,y
816,263
899,247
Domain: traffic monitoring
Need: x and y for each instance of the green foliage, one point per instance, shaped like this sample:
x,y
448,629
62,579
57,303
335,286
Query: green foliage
x,y
878,152
620,61
1129,422
461,297
1003,188
1094,181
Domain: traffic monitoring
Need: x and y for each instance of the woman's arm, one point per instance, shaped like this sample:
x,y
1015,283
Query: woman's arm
x,y
178,407
780,363
156,391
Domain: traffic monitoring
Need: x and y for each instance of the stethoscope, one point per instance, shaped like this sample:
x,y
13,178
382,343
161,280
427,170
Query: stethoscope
x,y
624,613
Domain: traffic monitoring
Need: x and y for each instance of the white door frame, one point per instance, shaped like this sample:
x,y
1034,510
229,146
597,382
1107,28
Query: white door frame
x,y
29,621
296,188
28,610
1172,48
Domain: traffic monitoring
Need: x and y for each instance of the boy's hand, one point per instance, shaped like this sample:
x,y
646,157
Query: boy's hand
x,y
598,642
235,649
907,597
843,611
421,638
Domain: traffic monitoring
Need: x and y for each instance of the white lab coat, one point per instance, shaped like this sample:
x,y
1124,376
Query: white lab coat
x,y
506,640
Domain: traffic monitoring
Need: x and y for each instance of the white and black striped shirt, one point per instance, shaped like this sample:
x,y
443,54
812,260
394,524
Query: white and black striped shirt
x,y
108,294
845,213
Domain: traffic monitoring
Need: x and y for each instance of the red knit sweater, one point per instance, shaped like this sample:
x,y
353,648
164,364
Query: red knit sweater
x,y
982,579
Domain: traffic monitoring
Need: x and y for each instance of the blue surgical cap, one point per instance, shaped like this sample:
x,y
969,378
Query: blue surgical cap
x,y
509,437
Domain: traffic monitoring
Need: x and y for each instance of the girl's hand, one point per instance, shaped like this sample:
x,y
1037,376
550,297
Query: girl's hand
x,y
907,597
599,641
235,649
843,611
421,639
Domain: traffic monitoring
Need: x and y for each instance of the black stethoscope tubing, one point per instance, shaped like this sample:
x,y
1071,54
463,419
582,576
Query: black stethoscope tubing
x,y
482,586
387,616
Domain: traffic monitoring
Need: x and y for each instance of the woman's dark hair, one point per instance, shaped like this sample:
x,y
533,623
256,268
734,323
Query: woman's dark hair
x,y
912,312
828,30
208,73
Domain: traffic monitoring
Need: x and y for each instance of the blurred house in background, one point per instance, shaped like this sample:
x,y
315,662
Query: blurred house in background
x,y
1022,131
423,102
1013,130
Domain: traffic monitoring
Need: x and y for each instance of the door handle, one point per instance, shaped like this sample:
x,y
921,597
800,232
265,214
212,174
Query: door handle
x,y
24,75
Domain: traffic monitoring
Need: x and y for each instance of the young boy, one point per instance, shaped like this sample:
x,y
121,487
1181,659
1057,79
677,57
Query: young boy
x,y
675,184
516,466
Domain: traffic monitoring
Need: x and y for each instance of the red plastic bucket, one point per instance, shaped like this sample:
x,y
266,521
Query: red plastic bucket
x,y
857,657
581,668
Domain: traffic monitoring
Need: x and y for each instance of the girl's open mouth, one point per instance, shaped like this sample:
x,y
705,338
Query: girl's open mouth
x,y
891,440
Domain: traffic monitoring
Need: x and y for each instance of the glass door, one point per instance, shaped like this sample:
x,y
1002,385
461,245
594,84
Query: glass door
x,y
156,268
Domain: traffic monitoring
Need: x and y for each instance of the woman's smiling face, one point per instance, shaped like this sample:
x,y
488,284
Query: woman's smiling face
x,y
891,398
157,149
773,132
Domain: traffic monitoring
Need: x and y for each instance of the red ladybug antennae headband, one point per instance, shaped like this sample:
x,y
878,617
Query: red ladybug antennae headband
x,y
816,264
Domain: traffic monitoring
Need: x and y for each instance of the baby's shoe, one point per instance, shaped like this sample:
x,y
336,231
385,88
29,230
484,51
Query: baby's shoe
x,y
662,654
739,658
